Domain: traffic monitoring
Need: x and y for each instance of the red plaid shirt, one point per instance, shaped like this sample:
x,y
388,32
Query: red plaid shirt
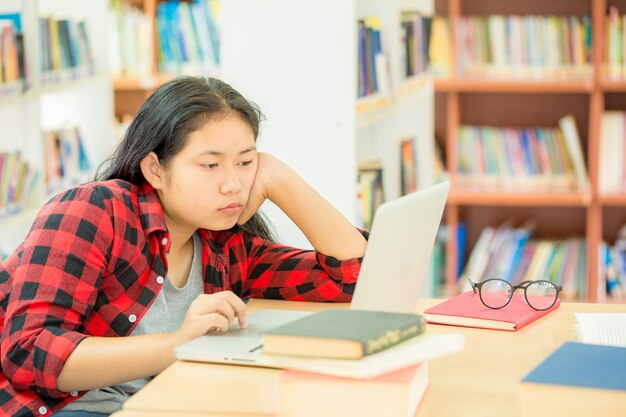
x,y
89,267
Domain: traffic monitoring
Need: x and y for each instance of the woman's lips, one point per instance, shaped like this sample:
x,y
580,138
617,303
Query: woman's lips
x,y
233,208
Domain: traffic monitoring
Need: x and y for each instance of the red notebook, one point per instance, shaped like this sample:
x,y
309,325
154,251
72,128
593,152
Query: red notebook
x,y
467,310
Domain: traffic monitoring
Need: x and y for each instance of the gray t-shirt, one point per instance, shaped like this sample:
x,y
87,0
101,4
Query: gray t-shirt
x,y
166,314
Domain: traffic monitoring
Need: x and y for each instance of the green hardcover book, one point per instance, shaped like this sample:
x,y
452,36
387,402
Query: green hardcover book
x,y
342,334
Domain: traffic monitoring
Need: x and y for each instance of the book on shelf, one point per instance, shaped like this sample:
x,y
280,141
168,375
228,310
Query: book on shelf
x,y
612,166
467,310
617,254
576,379
131,40
609,276
567,125
439,164
373,75
415,39
408,168
13,64
371,192
530,159
397,393
425,347
511,253
188,36
17,178
342,334
615,45
66,160
440,48
65,49
524,47
435,284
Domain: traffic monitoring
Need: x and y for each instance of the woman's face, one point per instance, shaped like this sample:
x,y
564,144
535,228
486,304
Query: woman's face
x,y
207,184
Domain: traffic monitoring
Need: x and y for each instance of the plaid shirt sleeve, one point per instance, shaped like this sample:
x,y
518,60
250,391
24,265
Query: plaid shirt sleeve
x,y
54,288
282,272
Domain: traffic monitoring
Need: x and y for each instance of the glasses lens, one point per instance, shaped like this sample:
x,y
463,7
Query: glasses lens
x,y
495,293
541,295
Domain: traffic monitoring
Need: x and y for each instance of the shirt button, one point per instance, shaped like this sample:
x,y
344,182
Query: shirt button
x,y
160,279
164,241
42,410
132,318
74,393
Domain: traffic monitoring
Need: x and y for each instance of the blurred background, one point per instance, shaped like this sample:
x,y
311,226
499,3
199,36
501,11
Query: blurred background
x,y
520,105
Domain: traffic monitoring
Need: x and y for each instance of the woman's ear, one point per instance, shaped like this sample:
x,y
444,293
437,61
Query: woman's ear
x,y
152,171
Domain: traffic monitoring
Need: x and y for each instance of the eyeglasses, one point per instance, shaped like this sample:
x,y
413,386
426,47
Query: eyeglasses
x,y
497,293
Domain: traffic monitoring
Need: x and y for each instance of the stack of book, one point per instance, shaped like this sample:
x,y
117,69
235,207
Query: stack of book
x,y
581,378
358,362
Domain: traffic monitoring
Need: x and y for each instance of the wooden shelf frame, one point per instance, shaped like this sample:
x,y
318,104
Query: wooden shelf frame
x,y
521,199
594,89
512,86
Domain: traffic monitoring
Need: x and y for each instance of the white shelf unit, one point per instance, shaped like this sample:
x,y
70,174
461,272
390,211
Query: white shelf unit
x,y
297,59
85,102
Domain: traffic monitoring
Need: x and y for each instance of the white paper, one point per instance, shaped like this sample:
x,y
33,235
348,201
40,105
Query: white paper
x,y
602,328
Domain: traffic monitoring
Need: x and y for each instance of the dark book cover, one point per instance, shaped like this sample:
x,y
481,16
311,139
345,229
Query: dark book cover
x,y
373,330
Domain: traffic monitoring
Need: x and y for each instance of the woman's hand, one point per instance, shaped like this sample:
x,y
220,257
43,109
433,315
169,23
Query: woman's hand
x,y
267,168
326,228
211,312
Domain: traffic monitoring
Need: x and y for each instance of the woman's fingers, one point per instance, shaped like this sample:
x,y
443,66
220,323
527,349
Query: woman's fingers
x,y
225,303
239,308
214,322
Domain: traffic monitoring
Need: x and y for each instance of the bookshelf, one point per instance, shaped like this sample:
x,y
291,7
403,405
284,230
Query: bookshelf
x,y
301,67
132,86
520,102
77,95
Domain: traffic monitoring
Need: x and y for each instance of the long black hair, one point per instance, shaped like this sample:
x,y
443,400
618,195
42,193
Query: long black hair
x,y
164,121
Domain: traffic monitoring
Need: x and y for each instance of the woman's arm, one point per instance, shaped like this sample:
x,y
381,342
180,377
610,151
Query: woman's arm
x,y
104,361
55,285
114,360
328,230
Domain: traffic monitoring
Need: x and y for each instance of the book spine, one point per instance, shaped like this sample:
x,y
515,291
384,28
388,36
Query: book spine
x,y
393,337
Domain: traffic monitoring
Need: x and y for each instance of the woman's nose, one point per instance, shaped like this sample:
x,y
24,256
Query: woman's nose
x,y
231,183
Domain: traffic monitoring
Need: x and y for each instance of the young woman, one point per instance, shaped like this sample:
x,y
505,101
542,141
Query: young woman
x,y
116,273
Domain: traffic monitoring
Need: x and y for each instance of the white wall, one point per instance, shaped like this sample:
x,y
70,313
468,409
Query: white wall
x,y
300,67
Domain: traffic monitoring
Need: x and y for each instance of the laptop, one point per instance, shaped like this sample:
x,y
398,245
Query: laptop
x,y
394,267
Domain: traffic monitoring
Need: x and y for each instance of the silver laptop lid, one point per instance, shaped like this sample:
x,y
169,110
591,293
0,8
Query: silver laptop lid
x,y
396,259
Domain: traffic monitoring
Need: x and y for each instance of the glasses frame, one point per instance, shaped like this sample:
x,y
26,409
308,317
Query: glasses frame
x,y
522,285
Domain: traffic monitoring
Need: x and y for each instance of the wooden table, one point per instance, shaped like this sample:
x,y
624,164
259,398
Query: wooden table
x,y
482,380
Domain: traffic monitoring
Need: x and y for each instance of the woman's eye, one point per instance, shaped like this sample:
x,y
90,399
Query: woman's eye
x,y
245,163
210,166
